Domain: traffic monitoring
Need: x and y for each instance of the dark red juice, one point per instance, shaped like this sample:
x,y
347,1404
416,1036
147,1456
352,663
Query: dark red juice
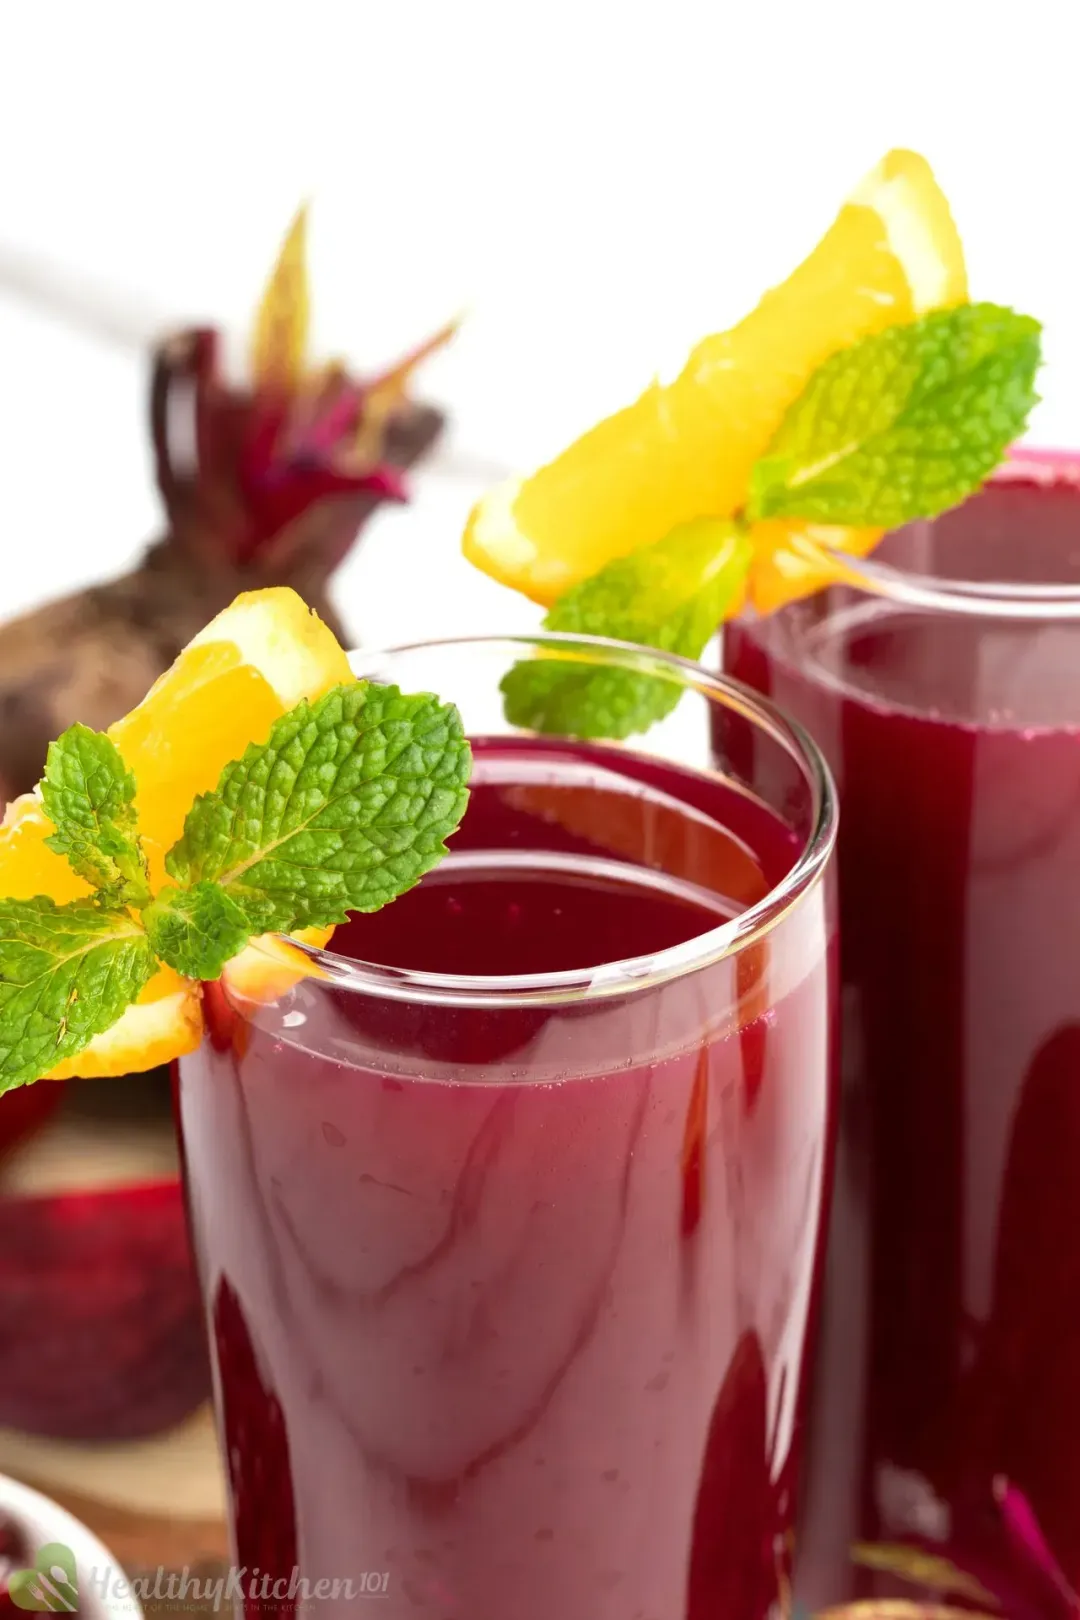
x,y
951,1353
510,1302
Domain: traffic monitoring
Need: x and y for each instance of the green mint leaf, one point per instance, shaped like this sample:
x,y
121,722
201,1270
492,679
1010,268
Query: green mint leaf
x,y
345,806
670,595
903,424
197,930
66,974
89,796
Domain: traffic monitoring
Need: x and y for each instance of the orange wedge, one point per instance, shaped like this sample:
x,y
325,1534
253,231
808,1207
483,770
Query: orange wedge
x,y
685,450
165,1023
256,660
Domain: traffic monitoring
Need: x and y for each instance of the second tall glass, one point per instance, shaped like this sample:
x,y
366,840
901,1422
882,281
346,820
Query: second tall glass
x,y
946,696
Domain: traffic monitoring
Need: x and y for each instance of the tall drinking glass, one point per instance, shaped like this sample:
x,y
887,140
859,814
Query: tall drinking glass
x,y
946,696
508,1219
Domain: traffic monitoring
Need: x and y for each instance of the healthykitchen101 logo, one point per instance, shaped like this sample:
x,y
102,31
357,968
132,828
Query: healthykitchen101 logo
x,y
50,1585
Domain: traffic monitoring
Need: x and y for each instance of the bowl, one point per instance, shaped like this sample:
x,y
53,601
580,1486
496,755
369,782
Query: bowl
x,y
102,1588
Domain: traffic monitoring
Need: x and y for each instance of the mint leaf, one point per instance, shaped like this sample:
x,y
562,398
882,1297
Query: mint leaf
x,y
66,974
196,931
344,807
903,424
670,595
89,796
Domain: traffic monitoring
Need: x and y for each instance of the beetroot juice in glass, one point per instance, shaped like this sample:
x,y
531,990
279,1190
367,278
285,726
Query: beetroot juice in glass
x,y
947,700
509,1222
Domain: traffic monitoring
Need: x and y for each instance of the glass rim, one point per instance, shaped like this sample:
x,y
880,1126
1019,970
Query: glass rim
x,y
633,973
1006,599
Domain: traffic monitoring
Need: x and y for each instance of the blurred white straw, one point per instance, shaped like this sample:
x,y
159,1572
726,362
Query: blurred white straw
x,y
120,318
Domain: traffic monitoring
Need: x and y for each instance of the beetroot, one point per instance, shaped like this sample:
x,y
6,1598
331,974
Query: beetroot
x,y
101,1330
264,483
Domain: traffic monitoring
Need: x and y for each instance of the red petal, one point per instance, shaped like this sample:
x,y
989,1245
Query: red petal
x,y
1025,1535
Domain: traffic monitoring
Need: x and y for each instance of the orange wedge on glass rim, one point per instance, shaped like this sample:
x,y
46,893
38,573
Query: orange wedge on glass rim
x,y
685,450
257,659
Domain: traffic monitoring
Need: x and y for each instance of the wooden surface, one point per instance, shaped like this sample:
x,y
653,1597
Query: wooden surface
x,y
143,1542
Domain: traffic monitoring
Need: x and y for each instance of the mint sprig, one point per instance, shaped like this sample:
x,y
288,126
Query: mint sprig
x,y
66,974
196,930
902,425
905,424
671,595
89,796
344,806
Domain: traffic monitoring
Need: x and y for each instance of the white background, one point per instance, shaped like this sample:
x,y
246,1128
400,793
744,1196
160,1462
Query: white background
x,y
599,183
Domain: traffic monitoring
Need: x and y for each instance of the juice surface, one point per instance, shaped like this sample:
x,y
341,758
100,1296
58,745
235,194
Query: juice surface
x,y
952,1335
510,1306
